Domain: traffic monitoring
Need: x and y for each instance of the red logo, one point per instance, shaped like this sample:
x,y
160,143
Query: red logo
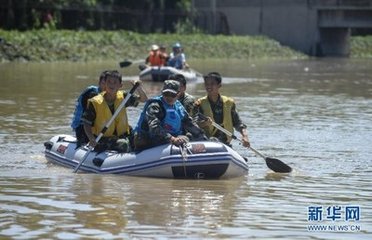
x,y
61,149
198,148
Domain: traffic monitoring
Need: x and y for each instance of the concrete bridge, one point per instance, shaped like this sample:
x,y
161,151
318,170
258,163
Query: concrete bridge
x,y
315,27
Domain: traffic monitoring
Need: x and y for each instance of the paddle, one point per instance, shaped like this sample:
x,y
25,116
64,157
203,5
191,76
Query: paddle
x,y
127,63
274,164
104,129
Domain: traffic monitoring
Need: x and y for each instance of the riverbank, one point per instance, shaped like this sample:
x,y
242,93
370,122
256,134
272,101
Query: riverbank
x,y
64,45
44,45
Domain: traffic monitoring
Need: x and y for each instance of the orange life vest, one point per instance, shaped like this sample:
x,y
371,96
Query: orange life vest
x,y
155,58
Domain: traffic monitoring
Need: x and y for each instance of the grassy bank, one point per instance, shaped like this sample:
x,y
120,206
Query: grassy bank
x,y
45,45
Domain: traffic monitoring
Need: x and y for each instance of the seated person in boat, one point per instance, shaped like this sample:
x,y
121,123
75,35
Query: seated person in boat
x,y
219,109
187,100
154,58
164,55
177,58
164,120
81,106
157,56
100,110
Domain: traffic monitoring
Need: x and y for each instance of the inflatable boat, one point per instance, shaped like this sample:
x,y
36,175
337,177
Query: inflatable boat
x,y
160,74
196,160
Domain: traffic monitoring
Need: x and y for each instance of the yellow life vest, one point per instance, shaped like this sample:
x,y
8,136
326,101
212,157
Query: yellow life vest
x,y
103,115
227,123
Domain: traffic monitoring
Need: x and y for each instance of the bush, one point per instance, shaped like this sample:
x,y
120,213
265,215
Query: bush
x,y
64,45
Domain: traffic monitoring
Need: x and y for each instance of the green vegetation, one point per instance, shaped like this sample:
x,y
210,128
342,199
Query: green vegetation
x,y
63,45
135,15
361,47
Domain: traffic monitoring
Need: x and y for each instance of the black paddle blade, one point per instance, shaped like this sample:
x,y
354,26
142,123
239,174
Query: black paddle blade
x,y
125,63
277,166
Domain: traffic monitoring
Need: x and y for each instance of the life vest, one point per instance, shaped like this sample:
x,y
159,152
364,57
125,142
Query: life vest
x,y
176,61
155,58
79,107
172,122
173,118
120,124
227,119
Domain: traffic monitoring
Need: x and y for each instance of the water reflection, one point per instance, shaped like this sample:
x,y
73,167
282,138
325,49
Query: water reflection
x,y
80,205
102,206
176,200
99,193
314,115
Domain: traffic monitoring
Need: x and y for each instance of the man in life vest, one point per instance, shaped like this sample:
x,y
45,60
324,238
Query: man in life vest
x,y
100,110
177,58
81,106
219,109
164,120
155,57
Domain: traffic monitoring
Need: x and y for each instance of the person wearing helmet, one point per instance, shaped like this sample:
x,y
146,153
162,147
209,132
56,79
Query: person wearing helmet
x,y
155,57
177,58
219,109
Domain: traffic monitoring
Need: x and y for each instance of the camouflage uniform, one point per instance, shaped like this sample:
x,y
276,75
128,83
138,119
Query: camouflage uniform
x,y
150,122
187,101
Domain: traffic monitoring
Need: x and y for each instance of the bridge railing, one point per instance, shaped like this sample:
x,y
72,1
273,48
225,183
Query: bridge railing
x,y
340,3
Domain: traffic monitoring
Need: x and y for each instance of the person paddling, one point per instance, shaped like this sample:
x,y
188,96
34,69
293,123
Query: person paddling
x,y
102,107
220,109
81,106
154,58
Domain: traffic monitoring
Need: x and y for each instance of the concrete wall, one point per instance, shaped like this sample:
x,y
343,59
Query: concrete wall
x,y
292,24
315,27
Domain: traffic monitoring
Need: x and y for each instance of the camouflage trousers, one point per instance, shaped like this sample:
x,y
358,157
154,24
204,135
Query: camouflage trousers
x,y
121,145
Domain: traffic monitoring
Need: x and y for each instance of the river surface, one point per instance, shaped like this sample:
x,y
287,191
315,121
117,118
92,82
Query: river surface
x,y
314,115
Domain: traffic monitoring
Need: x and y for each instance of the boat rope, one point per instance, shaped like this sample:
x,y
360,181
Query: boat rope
x,y
183,150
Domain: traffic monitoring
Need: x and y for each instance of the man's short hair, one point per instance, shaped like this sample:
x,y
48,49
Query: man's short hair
x,y
214,75
179,78
102,77
113,74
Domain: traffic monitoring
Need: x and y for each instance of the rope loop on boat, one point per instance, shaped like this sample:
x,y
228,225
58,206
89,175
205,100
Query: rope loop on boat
x,y
183,150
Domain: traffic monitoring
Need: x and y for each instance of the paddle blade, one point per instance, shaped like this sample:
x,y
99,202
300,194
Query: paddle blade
x,y
125,64
277,166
